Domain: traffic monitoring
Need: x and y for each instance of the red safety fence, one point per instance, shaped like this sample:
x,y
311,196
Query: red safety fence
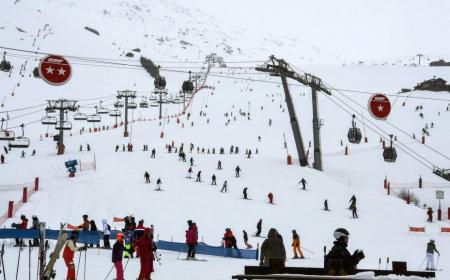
x,y
445,229
417,229
118,220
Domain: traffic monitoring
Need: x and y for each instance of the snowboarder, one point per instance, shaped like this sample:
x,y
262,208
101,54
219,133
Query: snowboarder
x,y
219,165
258,228
273,249
106,234
224,187
325,205
69,253
229,239
303,182
213,178
153,155
339,261
270,196
117,253
199,176
191,239
189,176
147,177
430,214
244,191
248,245
296,245
158,184
352,202
431,248
145,248
237,170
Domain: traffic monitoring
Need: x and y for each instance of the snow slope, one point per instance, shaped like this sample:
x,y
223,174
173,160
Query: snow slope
x,y
117,187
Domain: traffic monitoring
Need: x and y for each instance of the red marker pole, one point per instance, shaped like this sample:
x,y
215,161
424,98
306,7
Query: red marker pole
x,y
36,184
25,195
10,209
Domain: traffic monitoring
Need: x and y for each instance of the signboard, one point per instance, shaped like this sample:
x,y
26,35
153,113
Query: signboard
x,y
439,194
379,106
55,70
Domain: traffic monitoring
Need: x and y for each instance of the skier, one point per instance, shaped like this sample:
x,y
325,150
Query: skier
x,y
245,192
158,184
191,160
237,170
272,249
354,213
33,153
430,214
338,261
23,225
117,253
88,147
270,196
123,147
213,178
69,253
153,155
219,165
129,248
249,246
224,187
106,233
145,247
199,176
258,228
325,205
147,177
81,148
353,202
303,182
117,148
2,159
229,239
296,245
93,229
249,153
22,154
139,232
431,248
189,176
191,239
231,149
35,225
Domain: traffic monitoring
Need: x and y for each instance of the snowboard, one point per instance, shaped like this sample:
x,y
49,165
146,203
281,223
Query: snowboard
x,y
49,273
259,236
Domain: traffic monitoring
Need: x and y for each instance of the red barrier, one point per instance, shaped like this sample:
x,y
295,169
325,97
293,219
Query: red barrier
x,y
385,182
25,195
417,229
445,229
10,209
36,184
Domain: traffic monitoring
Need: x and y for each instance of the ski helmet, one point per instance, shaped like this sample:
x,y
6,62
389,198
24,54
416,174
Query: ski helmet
x,y
341,232
119,236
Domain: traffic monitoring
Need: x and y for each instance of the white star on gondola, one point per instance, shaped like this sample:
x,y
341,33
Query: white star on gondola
x,y
49,70
62,72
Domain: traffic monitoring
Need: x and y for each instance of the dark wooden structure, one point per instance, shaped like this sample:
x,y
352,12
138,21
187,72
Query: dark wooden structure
x,y
310,273
440,62
435,84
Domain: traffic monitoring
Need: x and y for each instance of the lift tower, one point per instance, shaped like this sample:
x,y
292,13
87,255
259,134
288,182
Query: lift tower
x,y
279,67
62,105
126,94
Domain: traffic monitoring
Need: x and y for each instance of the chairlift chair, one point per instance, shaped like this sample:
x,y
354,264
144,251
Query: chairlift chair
x,y
94,118
154,104
115,113
354,134
64,125
143,103
132,105
20,142
5,65
102,110
5,134
49,120
80,116
118,104
443,173
389,153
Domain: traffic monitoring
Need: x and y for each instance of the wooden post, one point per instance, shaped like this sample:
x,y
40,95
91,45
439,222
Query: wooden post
x,y
10,209
385,182
346,150
289,160
36,184
389,188
420,181
25,195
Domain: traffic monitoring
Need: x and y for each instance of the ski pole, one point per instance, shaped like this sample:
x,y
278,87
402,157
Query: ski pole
x,y
307,250
437,262
421,264
85,254
18,260
109,272
379,263
78,266
125,268
387,262
1,260
29,259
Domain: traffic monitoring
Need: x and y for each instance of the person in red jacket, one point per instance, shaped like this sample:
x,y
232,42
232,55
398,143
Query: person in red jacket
x,y
69,253
270,196
145,248
229,239
191,239
23,225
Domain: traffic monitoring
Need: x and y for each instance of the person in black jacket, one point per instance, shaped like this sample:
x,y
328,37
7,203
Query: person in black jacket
x,y
35,225
94,229
117,253
339,261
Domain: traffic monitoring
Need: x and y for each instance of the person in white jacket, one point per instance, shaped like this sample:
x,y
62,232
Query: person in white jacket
x,y
106,233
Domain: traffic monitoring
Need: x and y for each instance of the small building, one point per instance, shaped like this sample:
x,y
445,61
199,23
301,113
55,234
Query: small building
x,y
434,84
440,62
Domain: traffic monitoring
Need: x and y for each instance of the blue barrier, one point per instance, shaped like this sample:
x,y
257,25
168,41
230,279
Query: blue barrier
x,y
85,237
205,249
